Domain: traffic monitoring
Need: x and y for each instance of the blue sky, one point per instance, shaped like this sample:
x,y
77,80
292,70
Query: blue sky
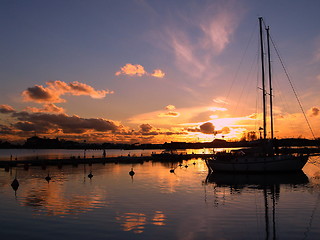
x,y
203,51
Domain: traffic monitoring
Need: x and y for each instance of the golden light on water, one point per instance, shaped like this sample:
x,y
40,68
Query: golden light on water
x,y
132,222
137,222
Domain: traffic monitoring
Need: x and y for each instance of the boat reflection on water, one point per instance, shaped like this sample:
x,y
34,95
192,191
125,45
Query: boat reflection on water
x,y
268,183
262,179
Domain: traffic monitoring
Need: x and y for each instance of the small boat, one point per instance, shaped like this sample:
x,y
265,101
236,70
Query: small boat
x,y
265,157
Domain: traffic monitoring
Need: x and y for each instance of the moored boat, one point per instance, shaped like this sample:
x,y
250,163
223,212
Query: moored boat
x,y
230,162
266,157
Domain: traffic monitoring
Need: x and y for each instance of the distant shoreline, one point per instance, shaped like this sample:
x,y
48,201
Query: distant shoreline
x,y
44,143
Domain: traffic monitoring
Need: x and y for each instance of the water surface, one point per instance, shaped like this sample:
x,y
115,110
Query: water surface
x,y
157,204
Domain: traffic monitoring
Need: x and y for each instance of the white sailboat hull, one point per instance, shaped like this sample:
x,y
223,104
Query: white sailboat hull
x,y
277,163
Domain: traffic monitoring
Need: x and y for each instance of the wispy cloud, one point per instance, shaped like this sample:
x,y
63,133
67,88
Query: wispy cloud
x,y
169,114
208,34
218,30
138,70
220,101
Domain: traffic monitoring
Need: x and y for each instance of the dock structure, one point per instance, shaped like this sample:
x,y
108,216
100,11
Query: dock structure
x,y
119,159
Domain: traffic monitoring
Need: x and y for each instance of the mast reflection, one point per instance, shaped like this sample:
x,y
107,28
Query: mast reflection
x,y
268,184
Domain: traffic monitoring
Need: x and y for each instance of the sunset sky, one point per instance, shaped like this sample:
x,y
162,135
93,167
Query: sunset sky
x,y
147,71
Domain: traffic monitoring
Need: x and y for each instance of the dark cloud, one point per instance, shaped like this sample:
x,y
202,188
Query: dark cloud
x,y
314,111
6,130
6,109
63,122
41,94
26,126
145,128
207,128
175,133
74,127
153,133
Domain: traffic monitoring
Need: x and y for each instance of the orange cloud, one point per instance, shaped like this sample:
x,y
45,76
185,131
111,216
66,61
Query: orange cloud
x,y
170,107
6,109
52,93
41,94
158,73
169,114
132,70
46,108
138,70
314,111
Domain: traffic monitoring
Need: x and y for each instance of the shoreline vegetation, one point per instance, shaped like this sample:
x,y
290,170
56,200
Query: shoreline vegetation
x,y
47,143
292,145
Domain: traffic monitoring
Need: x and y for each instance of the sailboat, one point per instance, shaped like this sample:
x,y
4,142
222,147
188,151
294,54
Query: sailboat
x,y
266,157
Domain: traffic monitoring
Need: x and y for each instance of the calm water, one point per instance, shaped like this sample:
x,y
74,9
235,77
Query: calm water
x,y
157,204
22,154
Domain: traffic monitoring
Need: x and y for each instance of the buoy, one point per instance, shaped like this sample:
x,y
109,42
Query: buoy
x,y
186,166
131,173
47,178
172,170
15,184
90,175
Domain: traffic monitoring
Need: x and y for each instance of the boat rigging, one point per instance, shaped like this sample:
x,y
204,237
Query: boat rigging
x,y
265,157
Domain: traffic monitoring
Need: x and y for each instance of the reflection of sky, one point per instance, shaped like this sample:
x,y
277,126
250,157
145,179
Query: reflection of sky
x,y
179,205
136,222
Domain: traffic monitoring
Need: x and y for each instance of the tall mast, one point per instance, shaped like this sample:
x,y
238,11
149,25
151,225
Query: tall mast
x,y
263,82
270,82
